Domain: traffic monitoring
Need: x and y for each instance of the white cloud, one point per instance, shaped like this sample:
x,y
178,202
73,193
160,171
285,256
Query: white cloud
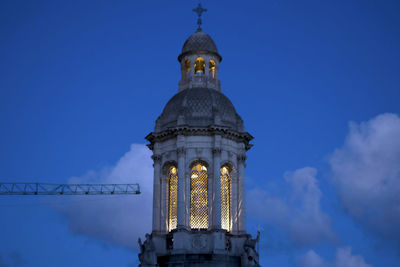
x,y
297,213
366,171
344,258
118,220
312,259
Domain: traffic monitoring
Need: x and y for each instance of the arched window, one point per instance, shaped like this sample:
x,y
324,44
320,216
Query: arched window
x,y
173,198
211,69
226,180
199,197
187,68
199,66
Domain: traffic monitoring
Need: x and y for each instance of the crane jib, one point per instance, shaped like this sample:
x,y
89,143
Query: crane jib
x,y
68,189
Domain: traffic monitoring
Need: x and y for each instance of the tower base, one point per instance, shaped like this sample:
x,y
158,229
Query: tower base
x,y
199,260
198,248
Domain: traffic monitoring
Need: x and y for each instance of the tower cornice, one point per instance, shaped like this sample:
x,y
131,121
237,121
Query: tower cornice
x,y
212,130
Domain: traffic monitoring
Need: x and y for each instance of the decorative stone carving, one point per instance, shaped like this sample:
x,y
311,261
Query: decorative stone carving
x,y
147,255
216,150
199,241
156,158
241,158
250,255
181,151
228,243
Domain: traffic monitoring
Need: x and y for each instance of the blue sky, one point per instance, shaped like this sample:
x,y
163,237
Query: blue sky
x,y
316,82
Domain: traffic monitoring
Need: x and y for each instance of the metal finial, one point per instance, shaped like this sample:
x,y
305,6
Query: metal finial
x,y
199,10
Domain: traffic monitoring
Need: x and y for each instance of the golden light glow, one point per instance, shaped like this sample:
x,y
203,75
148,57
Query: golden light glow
x,y
211,68
199,66
199,197
173,198
173,170
225,198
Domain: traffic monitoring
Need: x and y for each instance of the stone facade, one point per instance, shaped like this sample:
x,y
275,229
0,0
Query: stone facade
x,y
199,127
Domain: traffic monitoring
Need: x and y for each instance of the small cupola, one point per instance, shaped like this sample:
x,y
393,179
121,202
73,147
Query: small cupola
x,y
199,60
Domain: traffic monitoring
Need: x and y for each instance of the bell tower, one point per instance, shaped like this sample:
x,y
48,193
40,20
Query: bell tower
x,y
199,150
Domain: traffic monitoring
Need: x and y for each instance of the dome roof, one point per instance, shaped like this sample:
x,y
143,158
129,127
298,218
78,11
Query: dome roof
x,y
199,107
199,42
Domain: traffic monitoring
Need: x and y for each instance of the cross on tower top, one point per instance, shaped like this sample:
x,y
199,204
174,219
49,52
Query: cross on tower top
x,y
199,10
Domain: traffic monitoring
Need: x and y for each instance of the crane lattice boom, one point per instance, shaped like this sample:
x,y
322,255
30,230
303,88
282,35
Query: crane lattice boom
x,y
68,189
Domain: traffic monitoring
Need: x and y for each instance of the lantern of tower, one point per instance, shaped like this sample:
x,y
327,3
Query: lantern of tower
x,y
199,150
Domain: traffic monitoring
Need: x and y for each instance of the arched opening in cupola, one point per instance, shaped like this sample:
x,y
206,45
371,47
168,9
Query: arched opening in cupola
x,y
199,66
211,69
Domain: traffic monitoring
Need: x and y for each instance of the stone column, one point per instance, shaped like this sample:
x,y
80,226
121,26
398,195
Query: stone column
x,y
216,69
241,196
216,199
234,204
207,66
181,187
192,60
156,192
187,196
164,204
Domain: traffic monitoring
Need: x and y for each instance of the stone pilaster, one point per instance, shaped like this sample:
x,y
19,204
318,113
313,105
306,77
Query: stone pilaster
x,y
234,204
156,192
164,204
241,196
181,151
187,195
216,199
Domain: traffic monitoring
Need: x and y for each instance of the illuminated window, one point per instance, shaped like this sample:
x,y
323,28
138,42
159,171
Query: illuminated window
x,y
225,198
173,198
187,68
199,66
198,197
211,69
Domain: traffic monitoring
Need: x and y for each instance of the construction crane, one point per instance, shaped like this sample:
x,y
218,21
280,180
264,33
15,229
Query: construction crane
x,y
68,189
